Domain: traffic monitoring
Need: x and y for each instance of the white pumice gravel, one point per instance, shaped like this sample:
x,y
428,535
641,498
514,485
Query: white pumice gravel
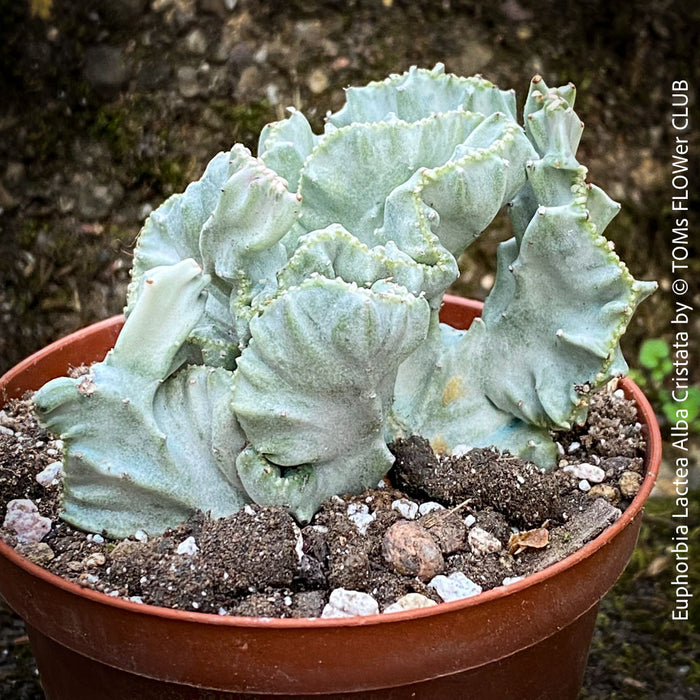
x,y
511,579
455,586
7,422
407,509
359,514
469,520
50,475
411,601
483,542
24,519
140,536
346,603
460,450
188,547
430,507
298,543
584,485
589,472
357,508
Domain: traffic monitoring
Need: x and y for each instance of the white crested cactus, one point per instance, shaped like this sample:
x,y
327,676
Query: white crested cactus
x,y
282,320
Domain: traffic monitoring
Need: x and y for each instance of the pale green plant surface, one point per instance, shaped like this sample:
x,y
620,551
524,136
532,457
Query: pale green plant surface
x,y
283,315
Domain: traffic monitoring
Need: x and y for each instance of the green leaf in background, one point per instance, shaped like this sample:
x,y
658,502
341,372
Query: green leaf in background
x,y
652,352
691,407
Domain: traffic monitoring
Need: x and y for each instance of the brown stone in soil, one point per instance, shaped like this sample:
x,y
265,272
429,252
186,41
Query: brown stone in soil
x,y
410,550
447,529
609,493
126,550
630,483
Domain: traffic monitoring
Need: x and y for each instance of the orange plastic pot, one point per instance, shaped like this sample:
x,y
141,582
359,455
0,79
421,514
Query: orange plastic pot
x,y
525,641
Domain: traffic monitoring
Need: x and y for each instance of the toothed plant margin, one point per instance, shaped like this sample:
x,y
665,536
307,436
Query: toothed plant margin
x,y
282,319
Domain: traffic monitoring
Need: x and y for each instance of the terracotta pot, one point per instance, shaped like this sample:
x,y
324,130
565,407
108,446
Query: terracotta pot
x,y
525,641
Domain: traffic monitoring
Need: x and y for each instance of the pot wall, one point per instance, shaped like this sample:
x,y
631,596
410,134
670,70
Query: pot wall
x,y
500,644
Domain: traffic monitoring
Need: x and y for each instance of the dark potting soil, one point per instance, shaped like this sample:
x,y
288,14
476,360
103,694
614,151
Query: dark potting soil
x,y
440,526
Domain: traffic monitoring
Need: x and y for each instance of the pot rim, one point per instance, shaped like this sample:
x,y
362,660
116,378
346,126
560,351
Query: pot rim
x,y
651,463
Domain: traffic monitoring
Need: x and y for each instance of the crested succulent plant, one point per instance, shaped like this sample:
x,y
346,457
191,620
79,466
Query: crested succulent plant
x,y
282,319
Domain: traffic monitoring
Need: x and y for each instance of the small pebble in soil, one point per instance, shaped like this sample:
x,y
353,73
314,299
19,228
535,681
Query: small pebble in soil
x,y
7,421
589,472
410,550
447,529
609,493
24,519
454,587
359,514
345,603
483,542
95,559
188,547
411,601
51,475
429,507
630,483
407,509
